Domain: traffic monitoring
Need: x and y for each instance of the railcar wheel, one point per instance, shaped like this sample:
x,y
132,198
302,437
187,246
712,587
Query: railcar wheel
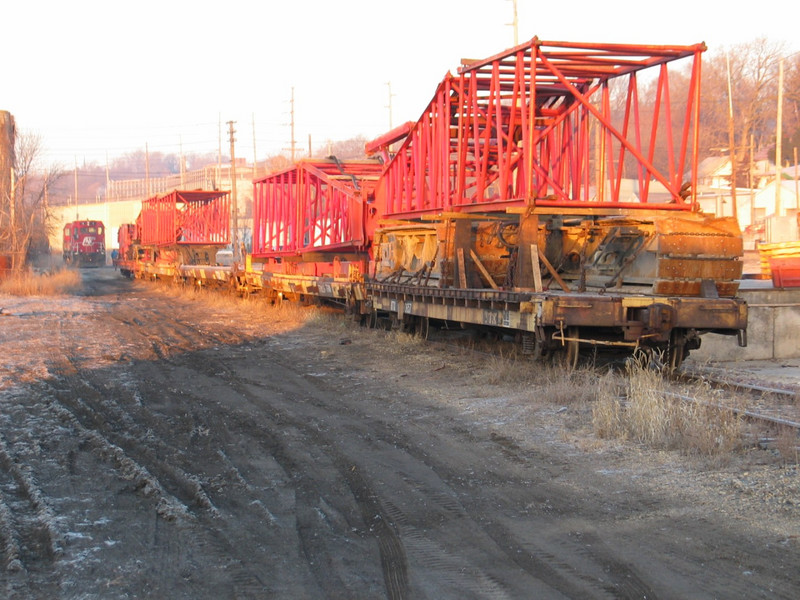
x,y
676,350
424,327
570,350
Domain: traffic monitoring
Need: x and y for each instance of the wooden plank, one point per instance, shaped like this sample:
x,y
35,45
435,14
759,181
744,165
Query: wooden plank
x,y
462,269
537,272
553,272
483,270
527,236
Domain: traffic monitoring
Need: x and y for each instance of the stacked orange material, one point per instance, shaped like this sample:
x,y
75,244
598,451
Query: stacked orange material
x,y
780,250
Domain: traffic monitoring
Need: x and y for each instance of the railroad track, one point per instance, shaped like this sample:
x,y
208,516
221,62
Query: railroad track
x,y
774,409
774,406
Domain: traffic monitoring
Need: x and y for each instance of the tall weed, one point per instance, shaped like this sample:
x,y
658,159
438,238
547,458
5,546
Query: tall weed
x,y
31,283
638,406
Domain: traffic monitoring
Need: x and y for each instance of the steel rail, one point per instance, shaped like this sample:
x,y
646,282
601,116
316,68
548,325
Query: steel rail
x,y
745,413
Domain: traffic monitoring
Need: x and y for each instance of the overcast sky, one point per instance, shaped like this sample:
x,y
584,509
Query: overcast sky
x,y
102,78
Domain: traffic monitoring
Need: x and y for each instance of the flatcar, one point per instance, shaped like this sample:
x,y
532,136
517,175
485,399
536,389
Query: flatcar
x,y
177,236
544,195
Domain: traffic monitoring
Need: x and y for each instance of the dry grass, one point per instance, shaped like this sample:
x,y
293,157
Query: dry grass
x,y
30,283
786,445
400,342
639,407
551,382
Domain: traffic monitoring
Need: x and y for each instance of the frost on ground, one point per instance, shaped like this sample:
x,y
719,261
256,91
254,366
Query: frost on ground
x,y
30,324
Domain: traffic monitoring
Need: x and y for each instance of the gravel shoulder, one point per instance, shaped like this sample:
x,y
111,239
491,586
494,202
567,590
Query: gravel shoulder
x,y
155,446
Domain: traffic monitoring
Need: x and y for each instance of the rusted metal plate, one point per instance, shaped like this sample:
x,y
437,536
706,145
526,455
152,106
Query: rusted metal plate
x,y
673,287
596,311
699,268
688,244
712,314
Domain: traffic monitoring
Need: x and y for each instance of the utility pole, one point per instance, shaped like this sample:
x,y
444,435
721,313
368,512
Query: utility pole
x,y
389,106
237,255
7,137
796,183
76,189
255,154
292,125
515,24
46,197
147,168
182,166
750,183
16,255
731,142
217,184
108,179
778,142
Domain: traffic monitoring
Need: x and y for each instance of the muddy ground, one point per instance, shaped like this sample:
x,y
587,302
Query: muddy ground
x,y
155,446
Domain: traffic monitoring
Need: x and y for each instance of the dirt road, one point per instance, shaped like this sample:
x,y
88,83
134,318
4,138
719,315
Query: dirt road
x,y
155,447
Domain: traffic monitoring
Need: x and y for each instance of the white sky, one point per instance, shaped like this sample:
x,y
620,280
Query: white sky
x,y
102,78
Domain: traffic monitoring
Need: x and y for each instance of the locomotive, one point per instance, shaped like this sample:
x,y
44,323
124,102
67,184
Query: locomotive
x,y
545,195
84,244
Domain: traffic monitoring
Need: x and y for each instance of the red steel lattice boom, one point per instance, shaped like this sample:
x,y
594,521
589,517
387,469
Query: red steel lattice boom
x,y
186,218
554,124
315,206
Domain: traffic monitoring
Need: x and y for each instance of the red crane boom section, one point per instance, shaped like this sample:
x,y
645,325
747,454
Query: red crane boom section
x,y
185,218
317,205
553,124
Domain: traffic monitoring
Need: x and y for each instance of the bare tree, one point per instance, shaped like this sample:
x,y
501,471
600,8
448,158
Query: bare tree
x,y
8,136
791,106
352,148
278,162
24,216
753,84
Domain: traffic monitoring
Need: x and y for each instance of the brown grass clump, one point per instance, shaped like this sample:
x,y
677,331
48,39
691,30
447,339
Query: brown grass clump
x,y
30,283
786,445
608,411
551,381
639,407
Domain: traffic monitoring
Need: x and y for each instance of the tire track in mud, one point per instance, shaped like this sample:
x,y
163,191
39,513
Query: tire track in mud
x,y
375,519
621,580
128,434
165,424
142,456
134,440
167,505
98,413
305,444
170,339
27,524
391,523
299,390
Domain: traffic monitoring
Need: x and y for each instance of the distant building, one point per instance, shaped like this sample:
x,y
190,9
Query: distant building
x,y
714,172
